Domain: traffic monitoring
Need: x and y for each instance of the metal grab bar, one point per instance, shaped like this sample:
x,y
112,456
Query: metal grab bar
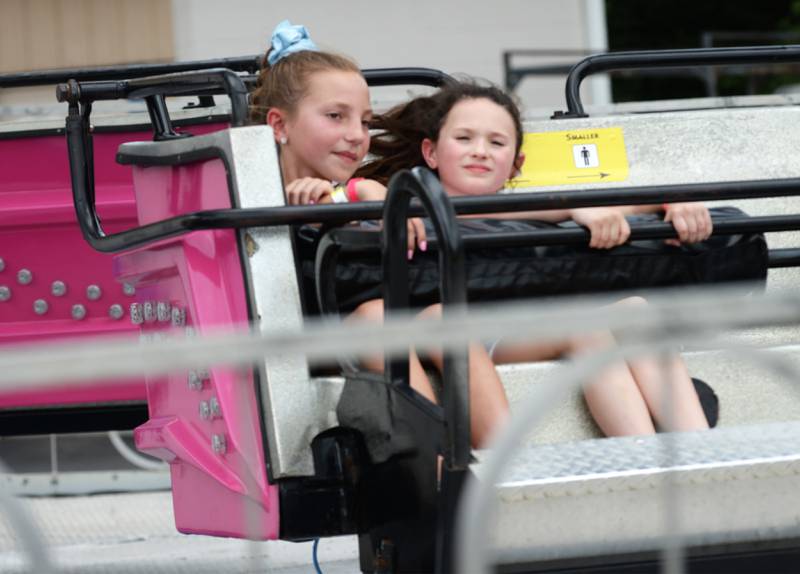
x,y
425,186
342,213
49,77
666,59
80,97
154,88
355,241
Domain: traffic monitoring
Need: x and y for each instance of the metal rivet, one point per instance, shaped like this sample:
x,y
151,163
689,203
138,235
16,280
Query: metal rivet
x,y
128,289
78,312
40,306
5,293
178,317
205,410
137,317
162,311
24,276
93,292
213,404
149,310
58,288
195,381
116,311
2,264
218,443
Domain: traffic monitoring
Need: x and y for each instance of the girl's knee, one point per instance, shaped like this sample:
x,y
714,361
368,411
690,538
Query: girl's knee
x,y
433,311
371,310
590,342
632,301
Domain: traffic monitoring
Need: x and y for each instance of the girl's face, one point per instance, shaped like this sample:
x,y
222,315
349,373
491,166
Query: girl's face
x,y
476,150
327,133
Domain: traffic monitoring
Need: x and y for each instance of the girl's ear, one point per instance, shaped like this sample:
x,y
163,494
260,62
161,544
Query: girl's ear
x,y
276,119
429,153
518,163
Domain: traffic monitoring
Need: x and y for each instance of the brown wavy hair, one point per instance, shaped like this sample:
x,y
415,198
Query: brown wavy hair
x,y
398,145
284,84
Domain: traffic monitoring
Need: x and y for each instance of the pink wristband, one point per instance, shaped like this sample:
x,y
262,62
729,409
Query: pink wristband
x,y
352,194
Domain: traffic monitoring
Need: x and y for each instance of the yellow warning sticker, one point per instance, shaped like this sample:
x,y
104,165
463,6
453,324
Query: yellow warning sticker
x,y
573,157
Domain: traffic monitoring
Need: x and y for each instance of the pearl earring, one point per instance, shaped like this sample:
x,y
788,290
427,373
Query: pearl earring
x,y
283,140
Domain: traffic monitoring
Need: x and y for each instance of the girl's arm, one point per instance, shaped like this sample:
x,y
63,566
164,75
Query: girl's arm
x,y
607,225
371,190
308,191
691,220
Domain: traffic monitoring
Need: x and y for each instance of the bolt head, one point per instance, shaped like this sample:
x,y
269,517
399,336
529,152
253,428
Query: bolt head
x,y
213,405
137,314
78,312
40,306
93,292
128,289
58,288
205,410
218,443
5,293
163,312
24,276
195,381
149,309
178,317
2,264
116,312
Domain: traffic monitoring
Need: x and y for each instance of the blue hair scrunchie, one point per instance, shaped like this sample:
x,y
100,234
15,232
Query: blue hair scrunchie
x,y
288,39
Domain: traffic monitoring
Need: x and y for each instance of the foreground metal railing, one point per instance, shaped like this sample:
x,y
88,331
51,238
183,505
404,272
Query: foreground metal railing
x,y
680,317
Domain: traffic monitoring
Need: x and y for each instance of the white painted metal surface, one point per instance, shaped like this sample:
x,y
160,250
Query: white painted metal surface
x,y
607,496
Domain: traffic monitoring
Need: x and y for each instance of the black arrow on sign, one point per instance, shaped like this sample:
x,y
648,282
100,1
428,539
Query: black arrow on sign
x,y
601,175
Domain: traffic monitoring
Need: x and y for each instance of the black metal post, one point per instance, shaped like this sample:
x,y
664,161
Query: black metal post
x,y
423,185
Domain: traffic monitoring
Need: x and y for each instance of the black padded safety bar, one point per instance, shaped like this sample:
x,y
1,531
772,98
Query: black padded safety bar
x,y
353,240
666,59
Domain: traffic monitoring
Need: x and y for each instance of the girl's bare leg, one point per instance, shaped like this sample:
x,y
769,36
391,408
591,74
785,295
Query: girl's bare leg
x,y
662,381
613,397
488,402
373,311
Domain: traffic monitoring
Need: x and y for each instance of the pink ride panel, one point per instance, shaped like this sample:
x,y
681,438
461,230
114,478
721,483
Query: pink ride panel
x,y
205,423
53,285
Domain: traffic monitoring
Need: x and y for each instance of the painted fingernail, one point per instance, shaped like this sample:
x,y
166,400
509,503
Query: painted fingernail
x,y
311,202
410,254
423,245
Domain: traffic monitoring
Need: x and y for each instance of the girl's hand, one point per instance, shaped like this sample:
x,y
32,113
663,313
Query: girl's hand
x,y
416,236
607,225
308,191
370,190
691,220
